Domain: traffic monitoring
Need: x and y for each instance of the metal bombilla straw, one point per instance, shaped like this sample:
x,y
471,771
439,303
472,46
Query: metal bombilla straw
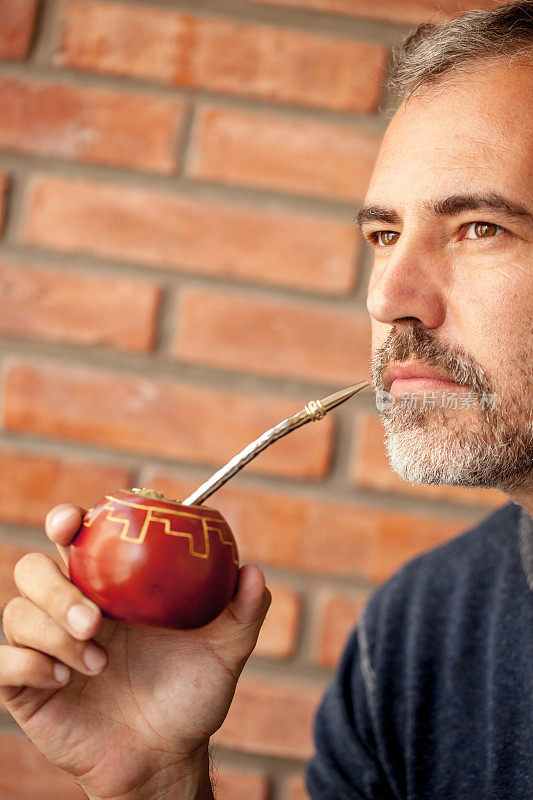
x,y
316,409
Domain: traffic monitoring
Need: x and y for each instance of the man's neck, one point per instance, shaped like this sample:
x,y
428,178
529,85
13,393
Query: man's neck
x,y
523,497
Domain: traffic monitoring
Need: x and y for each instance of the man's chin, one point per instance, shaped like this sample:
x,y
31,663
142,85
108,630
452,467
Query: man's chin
x,y
436,449
427,454
442,422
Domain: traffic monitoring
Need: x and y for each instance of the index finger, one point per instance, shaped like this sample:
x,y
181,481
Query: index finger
x,y
62,524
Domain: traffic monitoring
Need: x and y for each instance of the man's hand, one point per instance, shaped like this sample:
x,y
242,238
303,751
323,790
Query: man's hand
x,y
127,710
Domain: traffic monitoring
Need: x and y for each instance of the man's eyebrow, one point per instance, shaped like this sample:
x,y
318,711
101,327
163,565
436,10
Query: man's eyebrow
x,y
449,207
457,203
377,214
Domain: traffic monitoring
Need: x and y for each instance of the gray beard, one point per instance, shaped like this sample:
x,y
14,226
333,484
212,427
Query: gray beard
x,y
487,451
482,446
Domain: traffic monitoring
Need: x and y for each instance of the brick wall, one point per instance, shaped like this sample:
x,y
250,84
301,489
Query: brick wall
x,y
179,270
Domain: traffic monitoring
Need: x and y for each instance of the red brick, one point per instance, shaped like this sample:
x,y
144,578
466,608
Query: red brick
x,y
317,536
25,774
33,483
9,555
282,338
170,420
292,155
271,63
234,784
184,233
270,719
371,470
83,309
4,183
295,788
336,618
278,635
16,28
94,125
407,12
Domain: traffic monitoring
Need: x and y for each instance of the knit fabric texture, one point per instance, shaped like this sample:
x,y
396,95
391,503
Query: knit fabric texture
x,y
433,696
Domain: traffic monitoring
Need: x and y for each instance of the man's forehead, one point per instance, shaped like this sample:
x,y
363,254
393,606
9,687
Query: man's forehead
x,y
487,90
472,134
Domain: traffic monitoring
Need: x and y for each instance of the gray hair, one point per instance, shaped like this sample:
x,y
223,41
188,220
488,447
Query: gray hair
x,y
432,51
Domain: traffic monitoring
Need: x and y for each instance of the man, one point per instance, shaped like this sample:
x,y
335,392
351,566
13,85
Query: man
x,y
433,695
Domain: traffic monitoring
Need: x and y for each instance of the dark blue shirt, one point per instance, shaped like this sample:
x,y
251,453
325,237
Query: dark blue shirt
x,y
433,696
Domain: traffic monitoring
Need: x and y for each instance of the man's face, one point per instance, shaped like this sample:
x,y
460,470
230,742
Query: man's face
x,y
449,212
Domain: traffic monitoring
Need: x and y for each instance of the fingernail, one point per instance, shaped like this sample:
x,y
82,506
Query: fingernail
x,y
94,658
61,673
61,516
81,618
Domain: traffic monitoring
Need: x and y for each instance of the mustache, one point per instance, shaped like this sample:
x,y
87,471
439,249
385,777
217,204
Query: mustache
x,y
411,341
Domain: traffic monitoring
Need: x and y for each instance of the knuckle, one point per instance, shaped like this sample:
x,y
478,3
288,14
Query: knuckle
x,y
28,565
21,566
27,626
22,667
31,667
12,613
42,633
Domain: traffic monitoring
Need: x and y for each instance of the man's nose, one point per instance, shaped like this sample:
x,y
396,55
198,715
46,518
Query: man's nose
x,y
408,282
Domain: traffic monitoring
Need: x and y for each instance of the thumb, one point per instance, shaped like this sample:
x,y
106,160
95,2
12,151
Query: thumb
x,y
252,599
236,630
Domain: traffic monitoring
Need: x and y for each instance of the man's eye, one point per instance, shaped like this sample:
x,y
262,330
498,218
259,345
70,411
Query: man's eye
x,y
482,230
385,238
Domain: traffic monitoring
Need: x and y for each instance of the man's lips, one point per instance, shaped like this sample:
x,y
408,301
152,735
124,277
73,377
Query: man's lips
x,y
412,377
